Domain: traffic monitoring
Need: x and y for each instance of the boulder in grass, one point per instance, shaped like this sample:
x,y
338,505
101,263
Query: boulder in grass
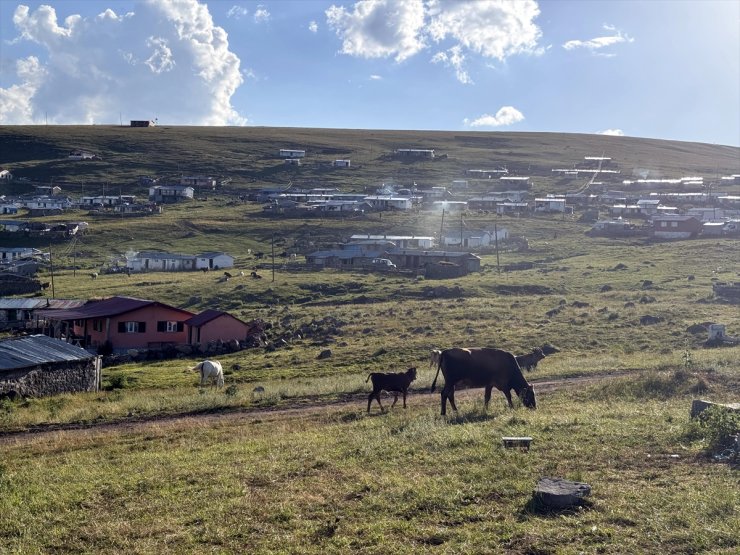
x,y
326,353
558,493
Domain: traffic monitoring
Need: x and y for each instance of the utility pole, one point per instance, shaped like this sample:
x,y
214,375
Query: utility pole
x,y
273,257
51,267
495,239
441,227
461,231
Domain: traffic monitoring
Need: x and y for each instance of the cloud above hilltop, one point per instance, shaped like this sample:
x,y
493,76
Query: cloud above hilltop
x,y
166,60
451,29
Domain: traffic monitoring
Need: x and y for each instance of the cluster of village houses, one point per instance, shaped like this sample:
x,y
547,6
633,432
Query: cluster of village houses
x,y
75,329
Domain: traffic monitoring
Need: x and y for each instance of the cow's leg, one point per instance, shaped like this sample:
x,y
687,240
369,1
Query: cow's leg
x,y
487,396
370,400
395,399
451,397
381,404
508,398
443,396
404,398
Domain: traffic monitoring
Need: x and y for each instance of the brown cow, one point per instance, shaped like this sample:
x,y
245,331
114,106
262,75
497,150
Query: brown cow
x,y
483,367
529,361
395,383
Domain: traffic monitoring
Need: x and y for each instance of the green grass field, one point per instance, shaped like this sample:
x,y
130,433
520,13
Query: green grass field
x,y
155,464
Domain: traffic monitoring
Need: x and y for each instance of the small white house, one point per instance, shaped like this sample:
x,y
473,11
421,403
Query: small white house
x,y
292,161
9,254
5,175
291,153
414,152
214,261
342,163
8,209
648,206
474,238
549,204
383,202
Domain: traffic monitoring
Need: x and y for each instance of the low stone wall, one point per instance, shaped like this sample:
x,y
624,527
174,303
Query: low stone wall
x,y
52,378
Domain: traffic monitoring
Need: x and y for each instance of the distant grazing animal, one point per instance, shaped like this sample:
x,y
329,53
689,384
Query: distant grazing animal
x,y
255,275
529,362
395,383
434,358
241,274
482,367
94,275
204,270
210,370
227,274
45,285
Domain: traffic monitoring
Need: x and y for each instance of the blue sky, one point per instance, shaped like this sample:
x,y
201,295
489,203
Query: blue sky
x,y
658,68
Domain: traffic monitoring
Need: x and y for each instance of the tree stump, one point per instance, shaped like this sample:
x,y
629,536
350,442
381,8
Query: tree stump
x,y
559,493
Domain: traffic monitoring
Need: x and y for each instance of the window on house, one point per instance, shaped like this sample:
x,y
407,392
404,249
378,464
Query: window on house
x,y
131,327
170,326
97,325
674,224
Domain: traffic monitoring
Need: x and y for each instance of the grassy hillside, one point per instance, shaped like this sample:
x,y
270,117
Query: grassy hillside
x,y
248,155
301,468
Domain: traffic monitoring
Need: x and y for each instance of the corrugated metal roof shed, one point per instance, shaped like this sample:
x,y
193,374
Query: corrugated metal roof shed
x,y
30,304
23,352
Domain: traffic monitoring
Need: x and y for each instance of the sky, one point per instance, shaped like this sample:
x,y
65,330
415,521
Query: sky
x,y
662,69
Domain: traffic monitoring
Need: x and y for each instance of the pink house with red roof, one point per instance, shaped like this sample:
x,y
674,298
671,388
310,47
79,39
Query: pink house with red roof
x,y
213,325
125,322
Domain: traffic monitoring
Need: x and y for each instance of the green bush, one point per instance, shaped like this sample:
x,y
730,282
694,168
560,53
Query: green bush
x,y
719,425
118,381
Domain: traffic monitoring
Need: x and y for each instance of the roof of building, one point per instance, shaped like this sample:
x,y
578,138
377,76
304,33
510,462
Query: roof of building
x,y
30,304
112,306
212,254
22,352
208,316
163,255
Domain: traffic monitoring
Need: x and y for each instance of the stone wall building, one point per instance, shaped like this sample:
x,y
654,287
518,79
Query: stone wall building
x,y
37,365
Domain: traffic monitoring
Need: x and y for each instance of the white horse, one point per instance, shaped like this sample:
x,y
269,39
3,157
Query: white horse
x,y
210,369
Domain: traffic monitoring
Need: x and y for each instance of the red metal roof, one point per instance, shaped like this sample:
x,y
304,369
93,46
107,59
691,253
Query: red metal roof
x,y
112,306
208,315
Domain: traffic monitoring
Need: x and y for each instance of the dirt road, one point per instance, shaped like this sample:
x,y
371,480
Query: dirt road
x,y
298,408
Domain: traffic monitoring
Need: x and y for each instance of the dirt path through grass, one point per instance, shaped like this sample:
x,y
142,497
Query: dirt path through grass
x,y
294,408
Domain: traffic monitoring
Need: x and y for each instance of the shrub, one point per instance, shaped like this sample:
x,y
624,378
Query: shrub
x,y
719,425
231,390
118,381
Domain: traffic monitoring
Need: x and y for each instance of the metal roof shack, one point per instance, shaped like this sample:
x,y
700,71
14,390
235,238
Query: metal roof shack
x,y
22,352
38,365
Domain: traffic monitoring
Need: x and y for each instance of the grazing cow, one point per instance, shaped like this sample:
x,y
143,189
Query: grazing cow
x,y
255,275
482,367
434,358
395,383
94,275
227,274
529,362
210,370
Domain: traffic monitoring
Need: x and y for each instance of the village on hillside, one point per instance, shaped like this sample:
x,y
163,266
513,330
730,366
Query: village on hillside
x,y
612,203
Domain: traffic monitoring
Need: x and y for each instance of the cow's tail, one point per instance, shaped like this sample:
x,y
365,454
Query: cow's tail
x,y
439,367
370,375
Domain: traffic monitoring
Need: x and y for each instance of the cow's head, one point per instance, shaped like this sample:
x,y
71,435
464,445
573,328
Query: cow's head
x,y
411,373
527,397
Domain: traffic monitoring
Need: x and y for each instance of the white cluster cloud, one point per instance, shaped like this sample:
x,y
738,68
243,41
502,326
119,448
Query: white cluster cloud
x,y
456,59
494,29
261,14
237,12
596,44
313,27
379,28
612,132
168,60
506,115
